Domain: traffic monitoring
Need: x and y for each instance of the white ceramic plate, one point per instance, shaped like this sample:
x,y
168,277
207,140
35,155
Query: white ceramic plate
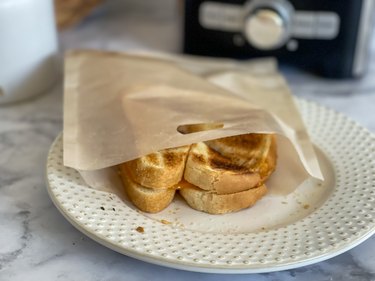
x,y
312,224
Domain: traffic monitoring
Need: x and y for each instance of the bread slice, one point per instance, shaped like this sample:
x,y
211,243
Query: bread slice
x,y
146,199
214,203
159,170
256,152
209,170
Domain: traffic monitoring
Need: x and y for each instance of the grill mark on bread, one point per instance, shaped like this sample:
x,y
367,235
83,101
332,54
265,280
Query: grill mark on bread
x,y
245,146
226,165
249,140
159,170
198,158
218,161
249,150
152,158
171,159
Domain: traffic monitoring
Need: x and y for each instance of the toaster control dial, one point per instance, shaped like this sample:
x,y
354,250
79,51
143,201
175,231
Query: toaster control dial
x,y
267,25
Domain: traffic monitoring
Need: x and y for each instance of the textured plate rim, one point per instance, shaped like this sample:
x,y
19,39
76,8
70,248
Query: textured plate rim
x,y
207,268
193,267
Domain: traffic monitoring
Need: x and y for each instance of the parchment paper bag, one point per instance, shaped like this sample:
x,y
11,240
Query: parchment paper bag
x,y
118,107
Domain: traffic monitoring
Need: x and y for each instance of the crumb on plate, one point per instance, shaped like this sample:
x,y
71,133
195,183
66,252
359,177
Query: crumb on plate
x,y
140,229
165,222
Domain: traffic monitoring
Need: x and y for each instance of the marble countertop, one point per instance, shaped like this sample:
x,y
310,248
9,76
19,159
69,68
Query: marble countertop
x,y
37,243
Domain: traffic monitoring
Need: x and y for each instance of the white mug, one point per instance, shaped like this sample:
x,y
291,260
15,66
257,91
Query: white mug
x,y
28,48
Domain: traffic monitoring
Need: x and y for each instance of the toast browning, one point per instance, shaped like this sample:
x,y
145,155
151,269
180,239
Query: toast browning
x,y
216,177
209,170
159,170
256,152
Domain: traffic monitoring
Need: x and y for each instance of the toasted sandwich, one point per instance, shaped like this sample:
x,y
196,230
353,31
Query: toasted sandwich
x,y
218,176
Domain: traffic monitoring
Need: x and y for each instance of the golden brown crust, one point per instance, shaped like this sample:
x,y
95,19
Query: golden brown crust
x,y
248,150
211,171
159,170
214,203
226,177
256,152
145,199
